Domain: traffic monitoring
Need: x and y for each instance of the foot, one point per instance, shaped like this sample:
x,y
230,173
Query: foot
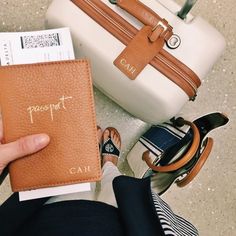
x,y
111,146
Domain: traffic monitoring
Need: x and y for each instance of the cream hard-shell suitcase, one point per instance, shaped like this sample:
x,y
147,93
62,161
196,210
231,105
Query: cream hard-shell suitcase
x,y
101,31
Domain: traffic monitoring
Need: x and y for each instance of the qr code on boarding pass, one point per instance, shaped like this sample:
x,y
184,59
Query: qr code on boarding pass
x,y
40,41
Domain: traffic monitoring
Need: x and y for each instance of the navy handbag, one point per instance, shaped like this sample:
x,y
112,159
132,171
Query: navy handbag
x,y
174,151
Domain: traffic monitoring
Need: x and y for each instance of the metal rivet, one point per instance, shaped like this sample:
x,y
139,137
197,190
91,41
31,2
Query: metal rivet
x,y
174,41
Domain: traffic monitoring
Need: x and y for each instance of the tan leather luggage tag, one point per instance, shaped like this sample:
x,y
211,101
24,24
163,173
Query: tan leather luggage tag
x,y
141,50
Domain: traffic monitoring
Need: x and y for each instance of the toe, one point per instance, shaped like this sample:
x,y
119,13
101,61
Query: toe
x,y
116,140
113,136
106,135
118,143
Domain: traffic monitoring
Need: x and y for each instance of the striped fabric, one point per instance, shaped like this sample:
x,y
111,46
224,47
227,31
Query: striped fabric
x,y
172,224
166,142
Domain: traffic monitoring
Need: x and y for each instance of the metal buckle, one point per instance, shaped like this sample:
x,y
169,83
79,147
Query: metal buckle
x,y
162,24
167,29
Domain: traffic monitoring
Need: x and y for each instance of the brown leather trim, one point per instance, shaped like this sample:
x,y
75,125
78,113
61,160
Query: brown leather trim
x,y
183,160
198,166
176,77
171,67
195,79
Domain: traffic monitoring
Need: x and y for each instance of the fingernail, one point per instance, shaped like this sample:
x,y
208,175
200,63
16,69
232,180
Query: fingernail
x,y
41,140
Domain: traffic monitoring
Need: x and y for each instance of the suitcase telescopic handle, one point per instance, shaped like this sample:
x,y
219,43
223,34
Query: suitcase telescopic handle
x,y
186,8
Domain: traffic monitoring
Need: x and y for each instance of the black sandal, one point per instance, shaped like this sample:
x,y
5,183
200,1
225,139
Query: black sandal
x,y
108,147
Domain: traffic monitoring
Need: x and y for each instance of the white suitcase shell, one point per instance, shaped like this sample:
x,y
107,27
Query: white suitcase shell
x,y
152,97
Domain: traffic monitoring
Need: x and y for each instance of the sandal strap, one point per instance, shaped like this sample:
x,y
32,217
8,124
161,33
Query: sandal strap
x,y
109,148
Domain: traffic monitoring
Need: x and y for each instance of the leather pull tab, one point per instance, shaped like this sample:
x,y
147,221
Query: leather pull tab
x,y
155,34
139,52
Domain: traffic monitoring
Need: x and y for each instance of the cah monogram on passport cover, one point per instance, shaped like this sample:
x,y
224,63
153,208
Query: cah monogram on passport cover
x,y
54,98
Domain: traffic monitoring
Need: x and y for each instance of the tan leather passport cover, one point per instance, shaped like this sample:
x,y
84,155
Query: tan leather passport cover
x,y
54,98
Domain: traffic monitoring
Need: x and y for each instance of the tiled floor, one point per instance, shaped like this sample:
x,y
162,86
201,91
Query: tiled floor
x,y
210,200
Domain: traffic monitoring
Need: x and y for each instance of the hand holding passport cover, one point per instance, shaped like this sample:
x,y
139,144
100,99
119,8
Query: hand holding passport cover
x,y
54,98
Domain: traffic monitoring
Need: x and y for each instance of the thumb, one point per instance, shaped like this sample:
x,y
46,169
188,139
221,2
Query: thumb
x,y
22,147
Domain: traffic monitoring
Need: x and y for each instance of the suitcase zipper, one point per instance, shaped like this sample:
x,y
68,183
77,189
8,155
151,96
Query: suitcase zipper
x,y
180,74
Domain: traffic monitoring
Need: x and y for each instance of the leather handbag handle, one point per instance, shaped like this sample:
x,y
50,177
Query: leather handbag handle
x,y
184,160
144,14
198,166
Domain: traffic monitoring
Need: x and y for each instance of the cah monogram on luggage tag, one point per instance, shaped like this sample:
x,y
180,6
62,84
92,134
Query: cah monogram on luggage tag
x,y
146,44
